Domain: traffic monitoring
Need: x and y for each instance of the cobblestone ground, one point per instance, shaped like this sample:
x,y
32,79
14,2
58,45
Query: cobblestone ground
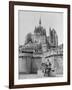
x,y
32,76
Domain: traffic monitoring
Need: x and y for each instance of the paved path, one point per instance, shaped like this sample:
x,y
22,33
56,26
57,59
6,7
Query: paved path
x,y
32,76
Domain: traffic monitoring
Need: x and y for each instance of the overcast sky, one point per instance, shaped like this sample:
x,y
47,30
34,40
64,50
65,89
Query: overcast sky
x,y
27,20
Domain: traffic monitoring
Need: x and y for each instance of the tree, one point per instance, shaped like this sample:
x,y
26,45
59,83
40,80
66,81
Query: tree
x,y
28,38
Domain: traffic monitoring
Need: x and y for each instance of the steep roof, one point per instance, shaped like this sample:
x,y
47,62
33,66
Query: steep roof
x,y
40,29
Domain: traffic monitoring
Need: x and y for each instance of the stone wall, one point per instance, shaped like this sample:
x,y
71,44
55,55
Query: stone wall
x,y
32,64
29,64
25,65
57,64
36,64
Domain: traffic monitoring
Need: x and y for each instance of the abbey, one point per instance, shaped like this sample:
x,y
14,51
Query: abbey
x,y
38,48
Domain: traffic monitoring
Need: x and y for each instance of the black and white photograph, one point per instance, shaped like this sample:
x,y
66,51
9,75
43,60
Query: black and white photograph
x,y
40,44
39,47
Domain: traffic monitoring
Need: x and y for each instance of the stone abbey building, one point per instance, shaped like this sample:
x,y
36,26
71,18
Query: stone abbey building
x,y
38,48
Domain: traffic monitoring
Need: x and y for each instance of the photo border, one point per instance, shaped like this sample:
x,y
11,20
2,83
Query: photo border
x,y
11,43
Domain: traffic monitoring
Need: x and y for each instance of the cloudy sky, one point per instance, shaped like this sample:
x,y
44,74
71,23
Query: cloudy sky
x,y
27,20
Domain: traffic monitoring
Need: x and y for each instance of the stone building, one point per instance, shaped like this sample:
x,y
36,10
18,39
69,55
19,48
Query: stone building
x,y
38,49
52,38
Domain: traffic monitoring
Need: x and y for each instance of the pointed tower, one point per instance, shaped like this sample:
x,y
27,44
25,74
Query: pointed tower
x,y
40,22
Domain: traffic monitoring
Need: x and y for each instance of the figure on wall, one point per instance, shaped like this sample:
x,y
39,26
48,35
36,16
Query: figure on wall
x,y
47,69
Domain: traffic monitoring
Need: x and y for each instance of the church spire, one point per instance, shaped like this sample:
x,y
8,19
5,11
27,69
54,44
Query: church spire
x,y
40,22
